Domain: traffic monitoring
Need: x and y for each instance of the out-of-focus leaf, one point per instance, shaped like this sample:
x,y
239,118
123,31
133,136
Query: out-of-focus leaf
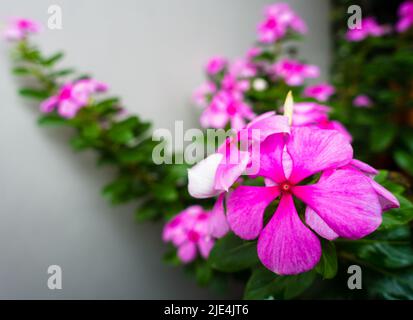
x,y
327,267
33,93
382,136
404,160
264,284
231,254
52,120
397,217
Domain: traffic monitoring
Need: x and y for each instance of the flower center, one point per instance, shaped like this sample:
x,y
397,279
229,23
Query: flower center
x,y
193,236
285,187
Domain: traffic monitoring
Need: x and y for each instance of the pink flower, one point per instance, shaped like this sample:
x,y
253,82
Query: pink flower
x,y
320,92
72,97
279,19
294,72
362,101
342,203
316,115
253,52
226,106
190,231
405,16
215,65
20,28
203,94
242,68
369,27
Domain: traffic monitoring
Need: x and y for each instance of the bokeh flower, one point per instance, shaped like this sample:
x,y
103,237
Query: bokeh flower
x,y
362,101
72,96
405,16
294,72
321,92
189,231
20,28
369,28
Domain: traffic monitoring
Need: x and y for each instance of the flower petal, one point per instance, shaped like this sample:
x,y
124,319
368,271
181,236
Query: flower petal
x,y
269,159
286,245
201,177
218,221
318,225
387,199
346,201
245,209
205,246
187,252
313,150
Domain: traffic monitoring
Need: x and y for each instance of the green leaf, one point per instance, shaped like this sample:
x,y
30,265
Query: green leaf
x,y
327,267
393,287
165,193
382,136
61,73
120,135
146,213
389,255
34,93
91,131
264,284
53,59
231,254
52,120
404,160
397,217
21,71
203,273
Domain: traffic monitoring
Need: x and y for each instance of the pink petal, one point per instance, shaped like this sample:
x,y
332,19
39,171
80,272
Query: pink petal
x,y
270,158
68,109
315,150
49,104
268,124
286,245
364,167
218,221
187,252
318,225
245,209
205,246
387,199
346,201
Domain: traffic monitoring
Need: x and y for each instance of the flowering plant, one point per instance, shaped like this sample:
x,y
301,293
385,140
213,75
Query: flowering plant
x,y
282,205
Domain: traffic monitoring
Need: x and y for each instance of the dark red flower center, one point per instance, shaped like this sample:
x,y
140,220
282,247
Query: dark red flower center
x,y
285,187
193,236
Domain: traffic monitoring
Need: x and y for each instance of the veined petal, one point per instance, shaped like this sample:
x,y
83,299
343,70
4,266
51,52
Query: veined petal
x,y
270,157
286,245
314,221
315,150
201,177
218,221
346,201
387,199
245,209
268,124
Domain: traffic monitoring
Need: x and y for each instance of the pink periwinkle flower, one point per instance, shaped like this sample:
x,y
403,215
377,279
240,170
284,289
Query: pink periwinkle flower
x,y
190,231
344,202
369,28
226,106
279,19
72,97
362,101
316,115
294,72
203,94
405,16
321,92
20,28
215,65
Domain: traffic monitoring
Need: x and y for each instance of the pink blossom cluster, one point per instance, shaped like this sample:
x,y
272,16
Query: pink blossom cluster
x,y
279,19
405,16
342,199
20,28
369,28
362,101
222,97
72,96
190,232
294,72
321,92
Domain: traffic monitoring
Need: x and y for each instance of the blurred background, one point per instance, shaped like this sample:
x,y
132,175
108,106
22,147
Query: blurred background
x,y
151,53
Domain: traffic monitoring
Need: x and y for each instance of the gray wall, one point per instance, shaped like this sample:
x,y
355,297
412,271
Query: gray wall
x,y
51,212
